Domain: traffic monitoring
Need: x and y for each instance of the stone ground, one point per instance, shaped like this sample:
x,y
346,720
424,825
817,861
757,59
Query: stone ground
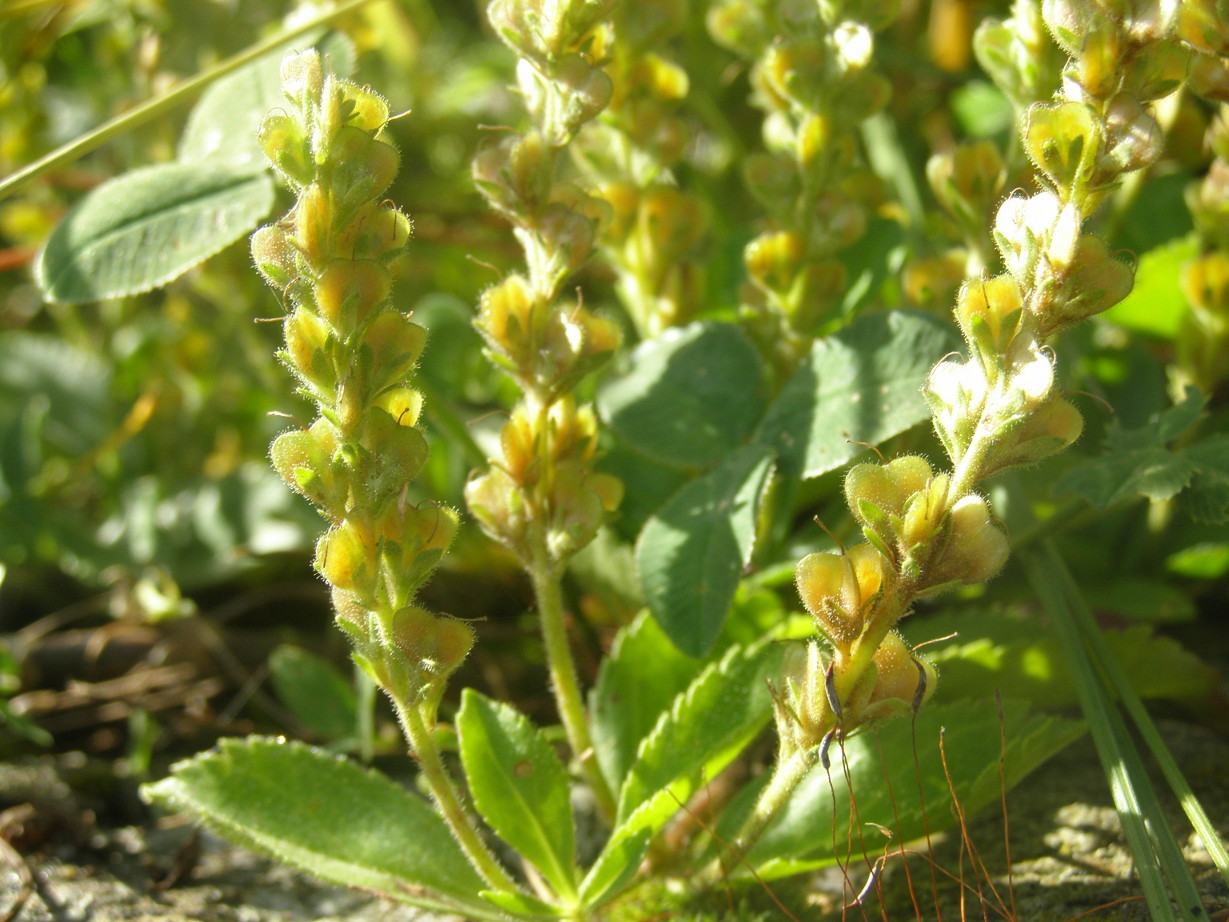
x,y
1067,850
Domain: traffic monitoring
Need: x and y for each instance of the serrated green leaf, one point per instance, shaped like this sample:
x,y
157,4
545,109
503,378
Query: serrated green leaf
x,y
315,692
147,227
814,828
687,396
636,684
692,552
863,384
708,725
614,868
1137,462
1156,305
519,786
327,816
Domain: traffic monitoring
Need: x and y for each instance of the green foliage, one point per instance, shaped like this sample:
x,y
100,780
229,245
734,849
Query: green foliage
x,y
705,307
316,693
328,816
102,249
817,827
519,787
1141,462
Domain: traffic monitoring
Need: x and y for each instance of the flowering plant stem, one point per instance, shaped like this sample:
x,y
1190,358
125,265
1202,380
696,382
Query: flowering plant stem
x,y
548,592
418,729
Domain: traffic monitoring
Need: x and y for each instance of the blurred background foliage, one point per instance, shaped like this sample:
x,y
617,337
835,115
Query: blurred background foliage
x,y
142,530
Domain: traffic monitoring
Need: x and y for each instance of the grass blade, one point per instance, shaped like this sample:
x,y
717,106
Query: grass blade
x,y
1159,861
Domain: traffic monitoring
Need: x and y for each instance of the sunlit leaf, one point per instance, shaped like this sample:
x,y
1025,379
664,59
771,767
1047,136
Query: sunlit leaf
x,y
147,227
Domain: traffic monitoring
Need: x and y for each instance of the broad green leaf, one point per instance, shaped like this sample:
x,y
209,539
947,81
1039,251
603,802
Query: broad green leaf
x,y
707,726
614,868
319,696
327,816
982,109
519,786
74,384
636,684
147,227
863,384
1157,215
1156,305
871,261
815,827
687,396
1002,650
1137,462
692,552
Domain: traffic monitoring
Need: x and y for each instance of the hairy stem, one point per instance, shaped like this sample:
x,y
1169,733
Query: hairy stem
x,y
568,698
447,800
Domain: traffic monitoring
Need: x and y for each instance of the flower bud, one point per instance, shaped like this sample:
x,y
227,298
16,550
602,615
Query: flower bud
x,y
305,461
393,451
362,168
345,556
838,590
283,141
974,550
773,260
877,494
772,177
1133,138
952,390
347,291
274,257
509,319
1204,24
739,26
897,677
312,220
1047,431
989,312
585,91
438,645
516,175
1095,281
366,109
309,350
801,709
395,343
376,232
967,182
1064,140
302,77
498,503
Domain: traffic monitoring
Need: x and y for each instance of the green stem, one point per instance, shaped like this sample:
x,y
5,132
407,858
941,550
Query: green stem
x,y
547,589
153,108
444,792
786,777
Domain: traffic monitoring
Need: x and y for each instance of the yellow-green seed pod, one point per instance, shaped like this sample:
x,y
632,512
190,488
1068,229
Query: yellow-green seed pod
x,y
309,350
773,259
